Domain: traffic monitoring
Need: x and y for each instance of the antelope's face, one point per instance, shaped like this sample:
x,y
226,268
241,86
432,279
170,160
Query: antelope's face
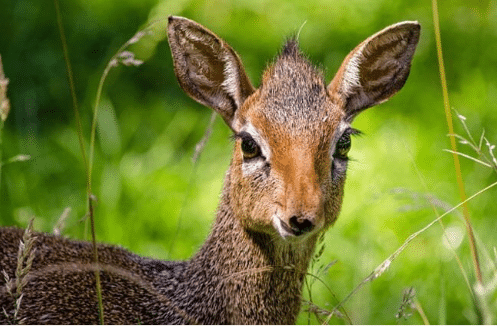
x,y
293,133
291,151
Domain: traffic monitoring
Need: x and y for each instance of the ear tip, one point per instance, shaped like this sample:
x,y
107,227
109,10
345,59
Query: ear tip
x,y
413,23
171,21
414,27
177,19
410,30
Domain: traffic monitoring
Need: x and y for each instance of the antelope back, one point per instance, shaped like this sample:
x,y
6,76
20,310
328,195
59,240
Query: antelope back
x,y
293,132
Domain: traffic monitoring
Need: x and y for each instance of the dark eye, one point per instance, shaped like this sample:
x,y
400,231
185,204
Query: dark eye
x,y
343,146
250,149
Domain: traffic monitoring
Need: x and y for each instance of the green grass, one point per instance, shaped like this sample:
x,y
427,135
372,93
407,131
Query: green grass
x,y
154,201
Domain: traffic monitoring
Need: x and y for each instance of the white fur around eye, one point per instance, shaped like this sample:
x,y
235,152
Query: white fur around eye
x,y
252,166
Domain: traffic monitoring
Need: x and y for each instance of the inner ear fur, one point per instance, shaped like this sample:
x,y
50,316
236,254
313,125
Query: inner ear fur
x,y
207,68
376,69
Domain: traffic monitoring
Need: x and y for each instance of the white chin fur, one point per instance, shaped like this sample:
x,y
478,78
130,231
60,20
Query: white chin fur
x,y
279,227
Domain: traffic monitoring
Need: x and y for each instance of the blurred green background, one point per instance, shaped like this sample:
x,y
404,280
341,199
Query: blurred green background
x,y
154,201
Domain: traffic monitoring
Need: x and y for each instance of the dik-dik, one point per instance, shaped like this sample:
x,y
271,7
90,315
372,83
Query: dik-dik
x,y
283,189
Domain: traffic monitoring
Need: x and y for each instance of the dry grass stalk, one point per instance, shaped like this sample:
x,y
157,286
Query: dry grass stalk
x,y
4,101
4,108
409,304
321,313
25,257
489,160
61,222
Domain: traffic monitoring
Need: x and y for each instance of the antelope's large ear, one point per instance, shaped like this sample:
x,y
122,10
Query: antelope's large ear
x,y
207,68
376,69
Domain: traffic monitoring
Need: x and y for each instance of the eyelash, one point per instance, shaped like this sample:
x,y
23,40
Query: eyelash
x,y
250,148
344,143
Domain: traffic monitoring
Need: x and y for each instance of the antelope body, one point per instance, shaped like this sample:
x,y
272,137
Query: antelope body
x,y
283,189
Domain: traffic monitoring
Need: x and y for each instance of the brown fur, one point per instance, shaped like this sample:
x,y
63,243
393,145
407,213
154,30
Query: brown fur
x,y
274,206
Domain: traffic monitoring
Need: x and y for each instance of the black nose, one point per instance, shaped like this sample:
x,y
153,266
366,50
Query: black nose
x,y
301,225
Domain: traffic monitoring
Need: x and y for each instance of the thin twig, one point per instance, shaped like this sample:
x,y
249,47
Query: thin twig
x,y
469,157
421,312
335,311
386,263
433,206
61,222
195,159
96,261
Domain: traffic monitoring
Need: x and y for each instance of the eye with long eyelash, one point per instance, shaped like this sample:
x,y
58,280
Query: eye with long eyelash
x,y
344,143
250,148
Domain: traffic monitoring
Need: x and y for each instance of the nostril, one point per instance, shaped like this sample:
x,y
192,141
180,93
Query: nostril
x,y
300,224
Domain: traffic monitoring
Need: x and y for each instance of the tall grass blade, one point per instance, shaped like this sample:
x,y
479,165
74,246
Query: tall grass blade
x,y
448,115
4,109
126,58
71,83
83,153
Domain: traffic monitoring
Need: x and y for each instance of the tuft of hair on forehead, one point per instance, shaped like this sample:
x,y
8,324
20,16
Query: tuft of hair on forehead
x,y
292,60
293,89
291,48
